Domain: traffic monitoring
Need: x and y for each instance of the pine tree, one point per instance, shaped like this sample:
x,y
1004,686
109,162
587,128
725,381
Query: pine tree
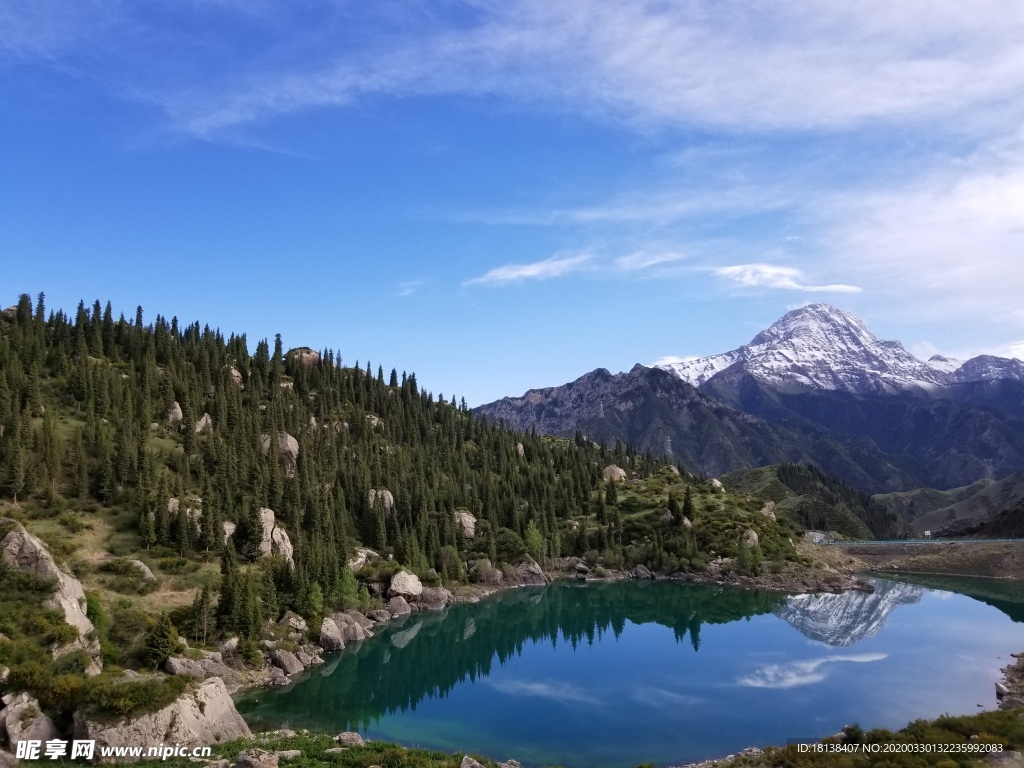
x,y
161,642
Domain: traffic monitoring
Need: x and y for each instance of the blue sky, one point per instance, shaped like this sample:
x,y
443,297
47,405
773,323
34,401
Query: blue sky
x,y
500,195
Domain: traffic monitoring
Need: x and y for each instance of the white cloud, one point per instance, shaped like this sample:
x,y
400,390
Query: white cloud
x,y
563,693
774,276
660,698
743,67
948,245
1013,349
556,266
800,673
670,359
409,287
641,260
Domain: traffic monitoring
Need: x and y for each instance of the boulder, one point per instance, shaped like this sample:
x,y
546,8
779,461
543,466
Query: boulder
x,y
387,499
398,606
275,539
350,739
466,523
642,572
717,484
288,447
288,754
614,473
768,510
292,620
24,720
200,717
469,762
359,619
229,528
236,376
373,420
380,615
363,556
686,523
666,517
141,567
520,450
174,414
330,635
286,661
305,356
435,599
750,536
405,584
24,552
256,758
204,423
531,573
179,665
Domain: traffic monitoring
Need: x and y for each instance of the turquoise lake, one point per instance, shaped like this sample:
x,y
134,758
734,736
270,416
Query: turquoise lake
x,y
608,675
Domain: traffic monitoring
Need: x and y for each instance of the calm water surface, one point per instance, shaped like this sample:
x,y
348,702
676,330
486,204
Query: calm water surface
x,y
616,674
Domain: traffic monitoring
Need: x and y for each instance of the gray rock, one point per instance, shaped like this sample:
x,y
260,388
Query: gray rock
x,y
305,659
204,423
350,739
199,717
750,536
363,556
614,473
717,484
435,599
768,510
179,665
466,523
469,762
236,376
288,754
141,567
531,573
398,606
275,540
23,719
1001,690
174,414
405,584
330,635
285,661
292,620
24,552
642,572
288,447
380,615
335,750
359,619
256,758
387,499
221,763
515,763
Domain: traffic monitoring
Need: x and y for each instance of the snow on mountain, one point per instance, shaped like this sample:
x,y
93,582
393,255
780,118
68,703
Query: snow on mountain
x,y
821,347
845,619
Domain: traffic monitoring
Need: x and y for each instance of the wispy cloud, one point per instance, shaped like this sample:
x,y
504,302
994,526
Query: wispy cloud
x,y
410,287
556,266
563,693
775,276
800,673
641,260
660,697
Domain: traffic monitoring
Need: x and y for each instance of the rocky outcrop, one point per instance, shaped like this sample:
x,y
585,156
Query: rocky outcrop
x,y
363,556
750,537
350,739
174,414
373,420
398,606
330,635
293,621
768,510
23,720
405,584
642,572
387,499
286,661
717,484
275,539
434,599
229,528
141,567
469,762
305,356
531,574
520,450
211,665
614,473
199,717
350,627
288,446
236,376
204,423
26,553
466,523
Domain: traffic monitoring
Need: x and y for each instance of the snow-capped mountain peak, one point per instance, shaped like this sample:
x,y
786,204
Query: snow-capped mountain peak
x,y
819,347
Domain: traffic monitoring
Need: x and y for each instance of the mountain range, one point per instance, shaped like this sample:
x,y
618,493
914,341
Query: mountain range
x,y
816,387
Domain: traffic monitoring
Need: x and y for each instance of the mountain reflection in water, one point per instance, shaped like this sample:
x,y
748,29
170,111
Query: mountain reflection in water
x,y
845,619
